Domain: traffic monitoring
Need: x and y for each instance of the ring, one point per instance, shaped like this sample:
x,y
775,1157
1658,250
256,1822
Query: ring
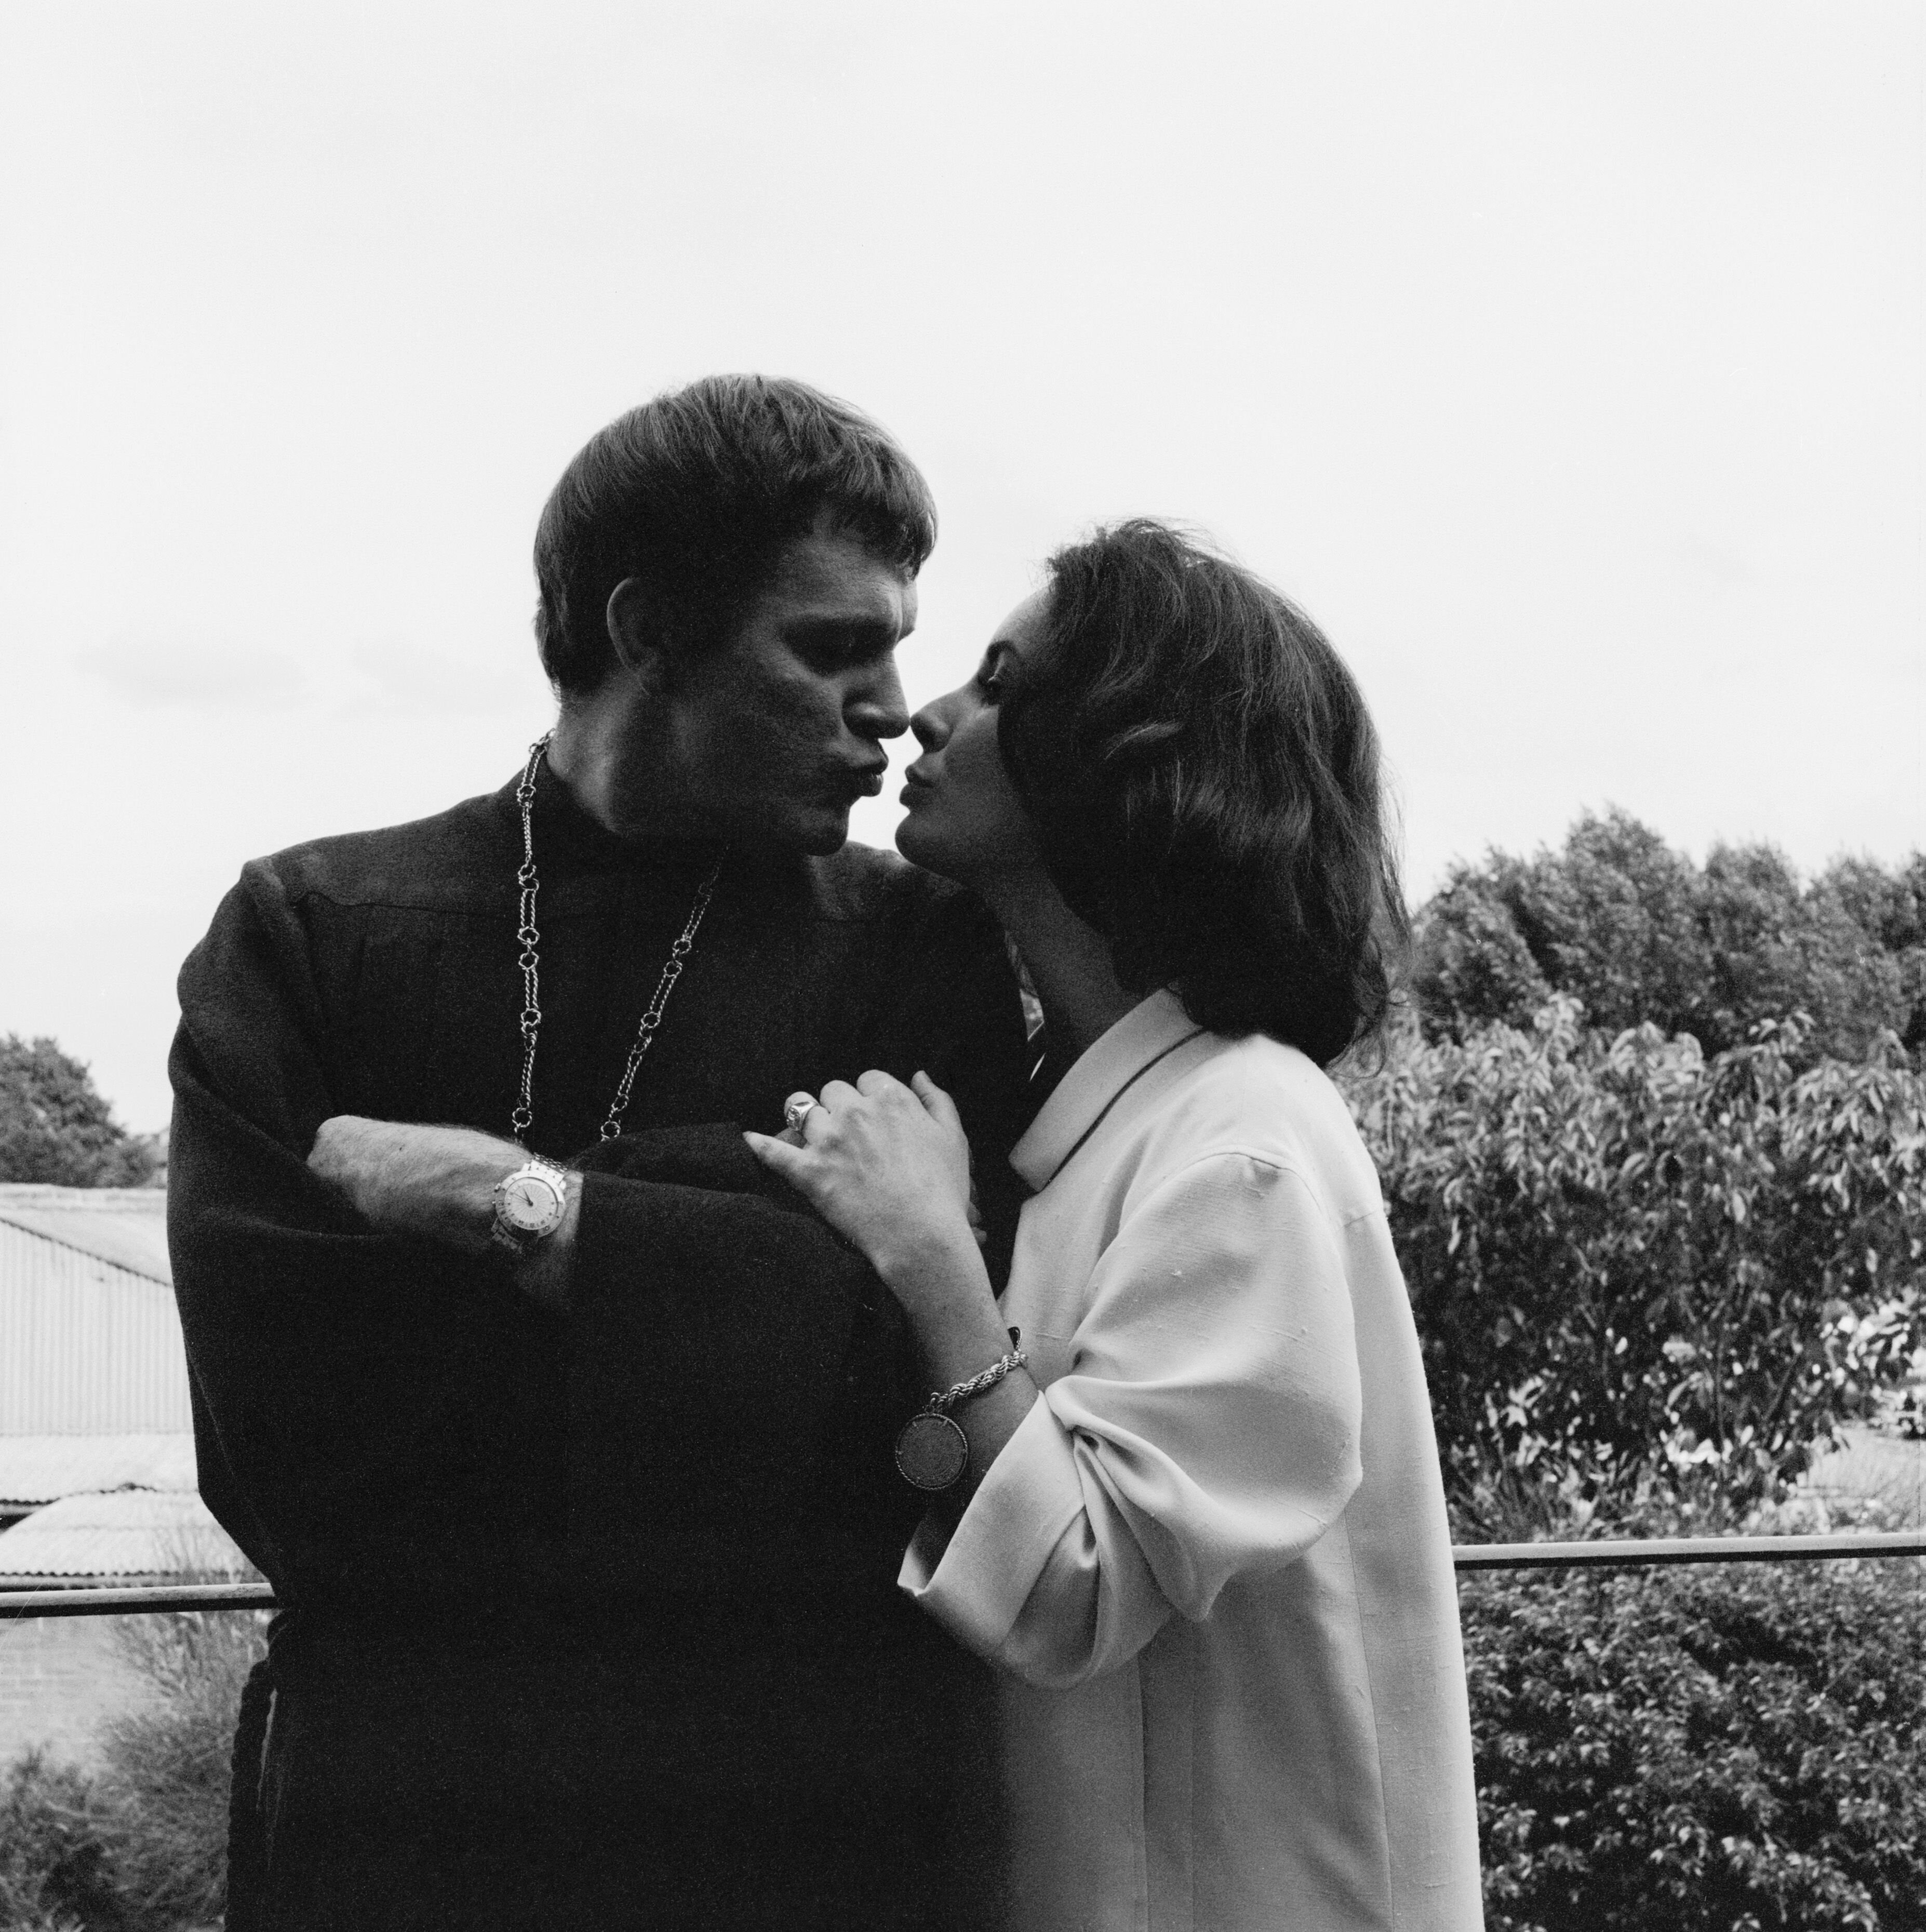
x,y
796,1110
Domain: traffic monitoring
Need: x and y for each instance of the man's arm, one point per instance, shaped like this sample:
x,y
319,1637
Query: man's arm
x,y
369,1403
438,1184
331,1412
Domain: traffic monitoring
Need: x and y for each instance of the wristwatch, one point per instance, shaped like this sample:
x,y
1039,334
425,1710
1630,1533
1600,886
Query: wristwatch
x,y
530,1204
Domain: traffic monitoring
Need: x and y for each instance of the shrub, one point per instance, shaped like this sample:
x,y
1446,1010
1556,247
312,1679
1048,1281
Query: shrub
x,y
56,1862
1640,1275
1740,1749
166,1765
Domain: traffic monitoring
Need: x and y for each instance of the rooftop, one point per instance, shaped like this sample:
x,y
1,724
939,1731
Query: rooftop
x,y
157,1535
126,1226
37,1469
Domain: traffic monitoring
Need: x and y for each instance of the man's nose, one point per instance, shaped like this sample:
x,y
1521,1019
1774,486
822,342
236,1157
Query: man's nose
x,y
879,709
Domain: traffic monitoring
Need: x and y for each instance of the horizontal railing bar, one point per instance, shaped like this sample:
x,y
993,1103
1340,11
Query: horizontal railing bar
x,y
1636,1553
135,1598
1622,1553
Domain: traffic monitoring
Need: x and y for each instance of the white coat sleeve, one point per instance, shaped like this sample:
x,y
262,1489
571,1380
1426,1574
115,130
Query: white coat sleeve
x,y
1207,1427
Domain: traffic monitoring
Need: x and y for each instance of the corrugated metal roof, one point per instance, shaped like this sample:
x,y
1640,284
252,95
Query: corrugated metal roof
x,y
125,1226
36,1469
162,1534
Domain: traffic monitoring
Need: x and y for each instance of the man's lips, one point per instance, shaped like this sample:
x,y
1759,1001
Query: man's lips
x,y
866,783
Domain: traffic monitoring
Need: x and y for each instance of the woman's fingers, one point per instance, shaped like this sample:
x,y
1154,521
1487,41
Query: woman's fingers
x,y
781,1159
836,1096
937,1103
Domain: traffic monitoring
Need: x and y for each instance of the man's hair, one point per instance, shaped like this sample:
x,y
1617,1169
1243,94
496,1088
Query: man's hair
x,y
695,495
1203,777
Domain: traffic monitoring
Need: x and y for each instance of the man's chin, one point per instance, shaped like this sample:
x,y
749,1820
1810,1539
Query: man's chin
x,y
813,833
817,834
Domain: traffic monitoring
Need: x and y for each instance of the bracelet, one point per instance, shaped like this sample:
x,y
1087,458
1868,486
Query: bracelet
x,y
932,1451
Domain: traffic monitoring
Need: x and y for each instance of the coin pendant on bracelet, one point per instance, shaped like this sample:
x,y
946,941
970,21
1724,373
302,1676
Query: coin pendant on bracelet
x,y
932,1451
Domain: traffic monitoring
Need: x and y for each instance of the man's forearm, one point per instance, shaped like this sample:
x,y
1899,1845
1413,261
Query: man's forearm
x,y
438,1184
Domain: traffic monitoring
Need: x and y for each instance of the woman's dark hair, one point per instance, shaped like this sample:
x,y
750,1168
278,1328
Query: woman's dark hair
x,y
695,494
1204,779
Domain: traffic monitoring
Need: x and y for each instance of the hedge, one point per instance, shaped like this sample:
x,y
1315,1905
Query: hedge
x,y
1740,1748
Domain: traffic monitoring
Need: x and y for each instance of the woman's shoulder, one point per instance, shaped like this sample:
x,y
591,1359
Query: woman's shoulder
x,y
1257,1099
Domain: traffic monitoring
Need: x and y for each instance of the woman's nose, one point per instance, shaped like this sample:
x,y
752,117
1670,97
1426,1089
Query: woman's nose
x,y
931,724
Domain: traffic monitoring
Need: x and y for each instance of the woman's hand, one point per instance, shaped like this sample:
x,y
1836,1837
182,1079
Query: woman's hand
x,y
886,1165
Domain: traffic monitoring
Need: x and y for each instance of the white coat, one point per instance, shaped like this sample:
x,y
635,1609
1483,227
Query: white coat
x,y
1212,1562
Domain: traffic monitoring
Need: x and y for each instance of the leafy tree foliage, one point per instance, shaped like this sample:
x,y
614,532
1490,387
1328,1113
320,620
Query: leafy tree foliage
x,y
1635,932
1694,1750
55,1128
1641,1275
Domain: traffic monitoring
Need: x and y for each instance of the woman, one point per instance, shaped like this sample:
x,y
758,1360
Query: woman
x,y
1200,1528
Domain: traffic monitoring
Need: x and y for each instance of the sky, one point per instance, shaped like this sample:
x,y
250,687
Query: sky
x,y
1563,361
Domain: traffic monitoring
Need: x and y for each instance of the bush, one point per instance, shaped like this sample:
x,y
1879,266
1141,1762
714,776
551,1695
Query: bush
x,y
167,1765
1641,1276
56,1863
142,1846
1732,1750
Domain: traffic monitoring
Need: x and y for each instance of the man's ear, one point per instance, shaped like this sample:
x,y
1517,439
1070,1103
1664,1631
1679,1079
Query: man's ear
x,y
634,634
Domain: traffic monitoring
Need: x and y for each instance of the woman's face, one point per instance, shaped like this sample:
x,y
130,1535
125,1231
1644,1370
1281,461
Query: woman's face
x,y
965,820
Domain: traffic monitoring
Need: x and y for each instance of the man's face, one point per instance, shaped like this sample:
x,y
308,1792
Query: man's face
x,y
775,734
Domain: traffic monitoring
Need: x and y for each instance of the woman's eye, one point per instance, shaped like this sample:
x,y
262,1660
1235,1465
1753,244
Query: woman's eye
x,y
990,682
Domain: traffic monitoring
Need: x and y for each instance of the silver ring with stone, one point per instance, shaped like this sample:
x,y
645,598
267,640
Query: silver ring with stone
x,y
796,1110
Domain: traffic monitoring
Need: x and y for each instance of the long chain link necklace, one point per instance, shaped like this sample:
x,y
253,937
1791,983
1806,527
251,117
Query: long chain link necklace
x,y
530,962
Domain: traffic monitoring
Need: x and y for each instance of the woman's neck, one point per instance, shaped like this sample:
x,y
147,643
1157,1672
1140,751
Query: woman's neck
x,y
1068,961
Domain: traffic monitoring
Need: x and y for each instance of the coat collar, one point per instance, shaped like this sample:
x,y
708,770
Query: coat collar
x,y
1147,1033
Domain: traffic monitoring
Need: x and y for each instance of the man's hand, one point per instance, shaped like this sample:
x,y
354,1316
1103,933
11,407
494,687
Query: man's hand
x,y
438,1184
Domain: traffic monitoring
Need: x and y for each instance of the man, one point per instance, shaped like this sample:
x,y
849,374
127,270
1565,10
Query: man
x,y
573,1467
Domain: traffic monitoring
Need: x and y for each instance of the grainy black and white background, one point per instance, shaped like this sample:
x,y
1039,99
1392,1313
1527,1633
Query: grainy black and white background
x,y
1564,362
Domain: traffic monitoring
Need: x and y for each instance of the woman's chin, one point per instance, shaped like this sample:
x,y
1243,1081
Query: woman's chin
x,y
917,846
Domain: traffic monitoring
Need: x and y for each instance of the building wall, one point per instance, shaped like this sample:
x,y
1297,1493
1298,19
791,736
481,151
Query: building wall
x,y
85,1347
60,1678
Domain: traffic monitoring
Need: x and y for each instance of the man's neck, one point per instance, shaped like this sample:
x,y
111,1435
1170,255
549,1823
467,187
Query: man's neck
x,y
602,754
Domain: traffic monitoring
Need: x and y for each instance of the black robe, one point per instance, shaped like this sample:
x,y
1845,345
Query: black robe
x,y
593,1618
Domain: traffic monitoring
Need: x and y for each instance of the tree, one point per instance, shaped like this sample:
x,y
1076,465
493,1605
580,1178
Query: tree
x,y
1638,934
1615,919
1776,950
55,1128
1473,968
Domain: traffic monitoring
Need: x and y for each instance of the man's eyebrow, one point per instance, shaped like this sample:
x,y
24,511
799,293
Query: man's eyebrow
x,y
841,627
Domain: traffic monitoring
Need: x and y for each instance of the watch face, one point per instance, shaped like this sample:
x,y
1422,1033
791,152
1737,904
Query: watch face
x,y
528,1202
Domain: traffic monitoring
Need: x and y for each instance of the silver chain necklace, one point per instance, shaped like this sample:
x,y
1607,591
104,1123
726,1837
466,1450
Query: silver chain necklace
x,y
530,962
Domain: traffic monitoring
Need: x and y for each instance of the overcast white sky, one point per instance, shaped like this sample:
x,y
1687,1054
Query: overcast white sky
x,y
1563,360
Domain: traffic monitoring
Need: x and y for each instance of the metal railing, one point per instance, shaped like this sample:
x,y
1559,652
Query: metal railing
x,y
1607,1553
